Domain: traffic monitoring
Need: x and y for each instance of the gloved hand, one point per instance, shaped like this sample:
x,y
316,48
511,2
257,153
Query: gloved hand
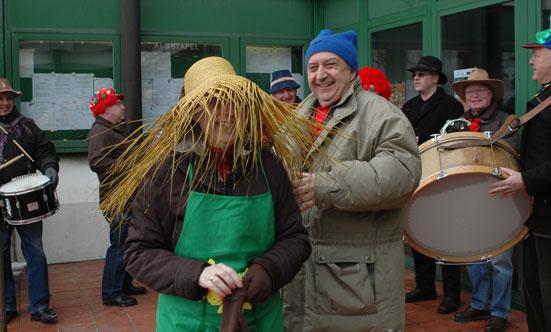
x,y
52,174
232,311
258,284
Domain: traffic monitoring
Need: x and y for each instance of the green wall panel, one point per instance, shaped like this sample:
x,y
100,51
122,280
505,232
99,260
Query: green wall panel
x,y
63,14
282,18
380,8
341,14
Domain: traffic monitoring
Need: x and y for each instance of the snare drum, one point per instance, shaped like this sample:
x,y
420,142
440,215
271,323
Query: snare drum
x,y
27,199
451,217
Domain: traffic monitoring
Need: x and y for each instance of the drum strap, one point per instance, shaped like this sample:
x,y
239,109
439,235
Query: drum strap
x,y
511,124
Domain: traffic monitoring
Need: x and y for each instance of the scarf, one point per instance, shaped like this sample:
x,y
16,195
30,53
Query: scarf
x,y
16,124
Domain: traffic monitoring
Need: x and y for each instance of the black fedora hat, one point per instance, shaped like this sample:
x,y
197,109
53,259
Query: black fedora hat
x,y
430,63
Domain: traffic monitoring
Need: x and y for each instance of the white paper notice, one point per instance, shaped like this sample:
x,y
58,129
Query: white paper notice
x,y
63,87
43,88
102,82
147,93
43,115
175,88
26,109
161,92
162,65
83,87
26,62
147,65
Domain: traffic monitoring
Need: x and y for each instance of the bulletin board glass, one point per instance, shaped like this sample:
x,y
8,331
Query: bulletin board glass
x,y
164,65
58,78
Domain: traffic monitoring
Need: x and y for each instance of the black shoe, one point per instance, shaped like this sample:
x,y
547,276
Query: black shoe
x,y
449,304
471,314
417,295
133,290
10,315
44,315
496,324
121,301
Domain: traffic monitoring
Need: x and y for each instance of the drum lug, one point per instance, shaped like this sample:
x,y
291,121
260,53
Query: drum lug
x,y
497,172
441,175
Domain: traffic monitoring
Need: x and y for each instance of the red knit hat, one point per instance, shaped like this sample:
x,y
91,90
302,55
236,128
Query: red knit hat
x,y
377,78
103,98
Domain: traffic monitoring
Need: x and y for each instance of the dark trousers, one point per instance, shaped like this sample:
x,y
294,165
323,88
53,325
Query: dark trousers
x,y
37,267
115,277
425,274
536,274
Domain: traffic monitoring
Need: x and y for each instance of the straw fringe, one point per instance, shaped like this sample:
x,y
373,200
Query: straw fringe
x,y
259,120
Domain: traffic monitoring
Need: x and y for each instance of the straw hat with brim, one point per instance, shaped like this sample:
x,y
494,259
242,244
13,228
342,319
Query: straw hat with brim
x,y
258,121
5,86
480,76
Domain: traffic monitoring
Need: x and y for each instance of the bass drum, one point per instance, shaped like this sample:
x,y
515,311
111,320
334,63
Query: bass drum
x,y
27,199
451,217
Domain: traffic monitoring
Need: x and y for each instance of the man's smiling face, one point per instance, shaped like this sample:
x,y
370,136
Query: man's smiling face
x,y
329,76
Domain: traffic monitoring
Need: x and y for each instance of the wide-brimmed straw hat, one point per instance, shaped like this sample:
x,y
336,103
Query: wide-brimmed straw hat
x,y
480,76
258,121
5,86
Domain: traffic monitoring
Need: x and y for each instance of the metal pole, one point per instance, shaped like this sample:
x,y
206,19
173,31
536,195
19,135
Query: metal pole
x,y
131,73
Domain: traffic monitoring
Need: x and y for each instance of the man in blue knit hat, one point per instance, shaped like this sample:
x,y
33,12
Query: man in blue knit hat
x,y
353,209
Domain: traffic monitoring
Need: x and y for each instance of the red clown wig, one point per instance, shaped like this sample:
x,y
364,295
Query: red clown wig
x,y
377,78
103,98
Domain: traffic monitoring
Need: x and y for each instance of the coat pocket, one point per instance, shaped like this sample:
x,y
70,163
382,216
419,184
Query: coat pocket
x,y
342,280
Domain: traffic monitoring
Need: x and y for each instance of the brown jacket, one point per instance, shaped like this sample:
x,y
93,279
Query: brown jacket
x,y
157,220
102,138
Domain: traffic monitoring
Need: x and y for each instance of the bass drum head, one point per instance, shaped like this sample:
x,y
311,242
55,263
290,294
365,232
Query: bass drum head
x,y
454,219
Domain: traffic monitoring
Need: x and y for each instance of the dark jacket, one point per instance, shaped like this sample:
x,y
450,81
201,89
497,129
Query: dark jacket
x,y
491,120
103,136
33,140
439,108
535,156
157,220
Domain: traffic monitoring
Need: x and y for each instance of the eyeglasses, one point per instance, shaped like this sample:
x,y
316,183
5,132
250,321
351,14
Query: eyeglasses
x,y
472,92
419,74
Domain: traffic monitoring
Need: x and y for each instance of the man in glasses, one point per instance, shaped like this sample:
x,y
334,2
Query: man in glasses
x,y
427,113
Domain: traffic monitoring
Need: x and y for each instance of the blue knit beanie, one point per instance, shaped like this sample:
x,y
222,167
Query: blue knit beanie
x,y
343,44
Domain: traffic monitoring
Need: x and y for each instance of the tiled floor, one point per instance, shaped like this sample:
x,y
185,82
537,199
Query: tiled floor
x,y
76,297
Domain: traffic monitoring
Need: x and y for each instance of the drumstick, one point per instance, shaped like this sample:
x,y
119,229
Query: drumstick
x,y
15,142
11,161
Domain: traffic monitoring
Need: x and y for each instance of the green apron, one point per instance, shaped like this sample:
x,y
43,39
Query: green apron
x,y
230,230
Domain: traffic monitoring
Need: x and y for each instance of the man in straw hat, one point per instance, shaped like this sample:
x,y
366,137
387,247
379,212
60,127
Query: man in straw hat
x,y
215,226
354,209
284,87
428,112
535,179
482,94
36,144
106,133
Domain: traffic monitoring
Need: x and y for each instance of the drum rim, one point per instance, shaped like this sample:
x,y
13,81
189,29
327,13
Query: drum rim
x,y
465,135
25,191
467,259
31,220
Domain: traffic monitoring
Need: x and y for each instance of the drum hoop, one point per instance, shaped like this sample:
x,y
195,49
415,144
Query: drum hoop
x,y
468,259
32,220
445,139
26,191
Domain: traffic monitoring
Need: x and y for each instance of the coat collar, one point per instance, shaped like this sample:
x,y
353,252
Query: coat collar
x,y
484,115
